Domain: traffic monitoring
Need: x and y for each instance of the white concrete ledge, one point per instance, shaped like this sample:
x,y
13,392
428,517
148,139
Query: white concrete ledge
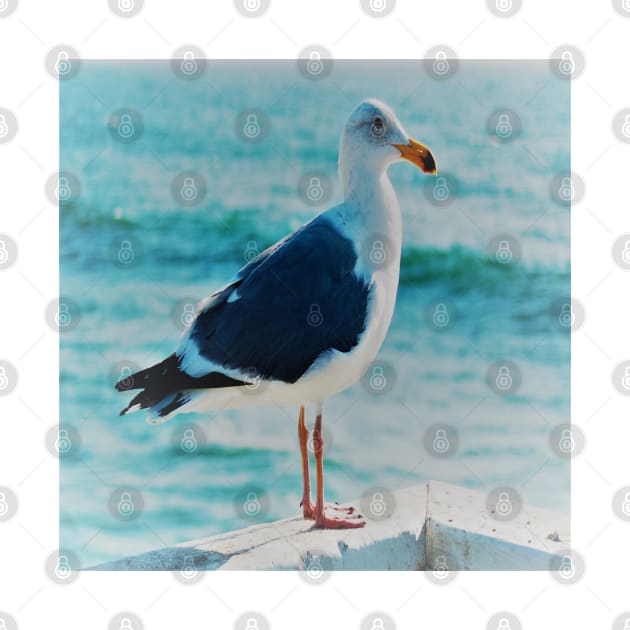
x,y
431,526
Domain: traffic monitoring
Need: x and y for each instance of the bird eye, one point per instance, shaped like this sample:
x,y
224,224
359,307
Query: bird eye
x,y
378,126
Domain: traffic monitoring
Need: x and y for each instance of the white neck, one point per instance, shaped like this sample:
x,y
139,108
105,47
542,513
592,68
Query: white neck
x,y
370,203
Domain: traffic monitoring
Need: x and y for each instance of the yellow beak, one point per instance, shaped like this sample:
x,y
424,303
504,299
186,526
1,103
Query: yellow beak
x,y
419,155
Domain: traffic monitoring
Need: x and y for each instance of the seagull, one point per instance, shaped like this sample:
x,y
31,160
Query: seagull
x,y
305,318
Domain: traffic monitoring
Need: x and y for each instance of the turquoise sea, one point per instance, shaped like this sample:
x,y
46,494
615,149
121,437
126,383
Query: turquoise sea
x,y
126,195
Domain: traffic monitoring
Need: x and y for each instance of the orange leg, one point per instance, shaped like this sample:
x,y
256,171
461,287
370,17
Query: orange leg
x,y
307,507
346,521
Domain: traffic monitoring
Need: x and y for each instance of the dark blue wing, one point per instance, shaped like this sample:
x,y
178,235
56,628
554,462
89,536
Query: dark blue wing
x,y
296,300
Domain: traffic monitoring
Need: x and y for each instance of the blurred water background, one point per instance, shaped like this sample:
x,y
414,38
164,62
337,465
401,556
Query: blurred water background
x,y
130,314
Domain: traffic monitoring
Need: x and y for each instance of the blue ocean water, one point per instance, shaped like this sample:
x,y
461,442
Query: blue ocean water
x,y
130,314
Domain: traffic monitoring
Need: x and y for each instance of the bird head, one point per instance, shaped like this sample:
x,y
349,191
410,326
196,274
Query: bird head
x,y
373,134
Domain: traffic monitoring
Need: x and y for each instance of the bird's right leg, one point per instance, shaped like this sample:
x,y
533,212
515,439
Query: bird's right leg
x,y
307,507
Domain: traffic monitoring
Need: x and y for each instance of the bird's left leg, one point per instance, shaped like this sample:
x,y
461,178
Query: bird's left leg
x,y
307,507
349,519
